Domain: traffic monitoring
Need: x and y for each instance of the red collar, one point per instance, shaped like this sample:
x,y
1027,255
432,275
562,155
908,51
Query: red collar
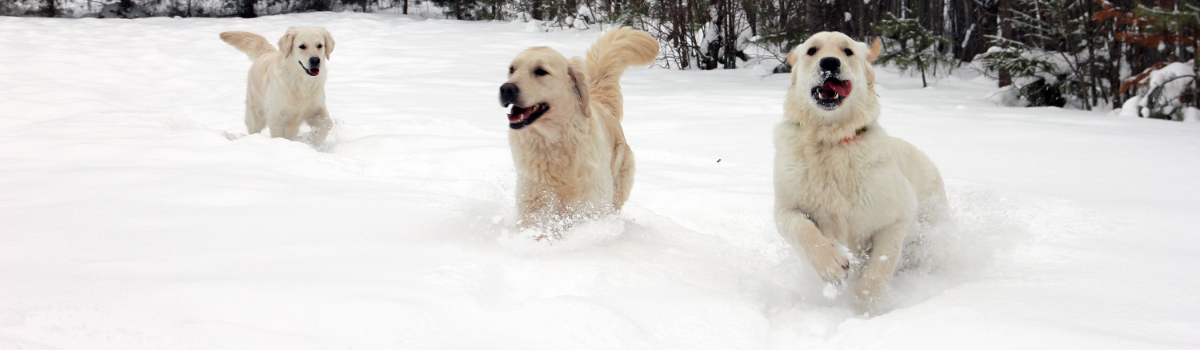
x,y
857,134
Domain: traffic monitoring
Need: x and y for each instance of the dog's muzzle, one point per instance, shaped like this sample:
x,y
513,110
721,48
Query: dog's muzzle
x,y
832,90
508,94
314,66
519,117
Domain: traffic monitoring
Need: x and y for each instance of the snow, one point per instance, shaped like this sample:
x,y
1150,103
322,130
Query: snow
x,y
1131,106
1172,88
136,215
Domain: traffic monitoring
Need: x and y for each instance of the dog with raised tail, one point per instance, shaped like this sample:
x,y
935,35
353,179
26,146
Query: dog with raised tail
x,y
840,180
565,131
286,87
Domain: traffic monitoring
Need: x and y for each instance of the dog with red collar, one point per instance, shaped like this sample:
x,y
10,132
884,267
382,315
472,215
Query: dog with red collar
x,y
840,180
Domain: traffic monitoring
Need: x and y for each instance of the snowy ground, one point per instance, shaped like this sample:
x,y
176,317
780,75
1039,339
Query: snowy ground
x,y
129,219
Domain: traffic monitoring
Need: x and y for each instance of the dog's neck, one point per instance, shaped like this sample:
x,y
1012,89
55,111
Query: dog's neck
x,y
306,87
856,118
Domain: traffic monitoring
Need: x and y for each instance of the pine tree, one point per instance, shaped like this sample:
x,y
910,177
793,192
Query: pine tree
x,y
1162,29
909,46
1177,26
459,9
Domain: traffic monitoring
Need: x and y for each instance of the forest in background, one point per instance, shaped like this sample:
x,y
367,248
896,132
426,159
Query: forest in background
x,y
1085,54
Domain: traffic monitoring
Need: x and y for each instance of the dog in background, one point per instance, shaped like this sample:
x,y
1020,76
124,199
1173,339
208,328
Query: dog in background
x,y
839,178
286,87
565,129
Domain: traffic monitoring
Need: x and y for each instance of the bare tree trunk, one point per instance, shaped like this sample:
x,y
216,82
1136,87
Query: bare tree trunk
x,y
1006,33
405,9
1091,62
922,66
1114,76
1196,69
248,9
536,10
50,8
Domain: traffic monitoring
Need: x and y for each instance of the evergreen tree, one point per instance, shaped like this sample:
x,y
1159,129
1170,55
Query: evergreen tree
x,y
1180,27
909,46
1050,53
457,9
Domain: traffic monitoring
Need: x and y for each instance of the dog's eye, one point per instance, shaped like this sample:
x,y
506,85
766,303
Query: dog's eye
x,y
540,72
302,47
848,52
511,70
320,46
812,51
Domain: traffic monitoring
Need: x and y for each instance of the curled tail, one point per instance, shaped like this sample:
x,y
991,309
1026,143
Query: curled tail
x,y
607,60
253,45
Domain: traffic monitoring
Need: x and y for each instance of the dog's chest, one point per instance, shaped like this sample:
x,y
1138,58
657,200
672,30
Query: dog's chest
x,y
826,178
571,170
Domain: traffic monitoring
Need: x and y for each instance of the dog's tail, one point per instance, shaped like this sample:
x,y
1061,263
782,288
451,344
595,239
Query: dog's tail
x,y
253,45
607,60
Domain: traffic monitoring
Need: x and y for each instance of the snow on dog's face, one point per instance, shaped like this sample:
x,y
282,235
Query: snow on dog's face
x,y
308,46
833,70
543,88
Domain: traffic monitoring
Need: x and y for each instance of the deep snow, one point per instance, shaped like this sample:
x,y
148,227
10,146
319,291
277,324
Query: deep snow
x,y
136,216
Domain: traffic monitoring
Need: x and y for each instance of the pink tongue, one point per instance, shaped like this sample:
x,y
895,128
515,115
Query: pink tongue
x,y
841,89
314,71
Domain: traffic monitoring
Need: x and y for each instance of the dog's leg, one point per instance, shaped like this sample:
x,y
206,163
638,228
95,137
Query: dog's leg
x,y
320,123
285,126
799,231
886,246
833,227
254,120
276,122
623,177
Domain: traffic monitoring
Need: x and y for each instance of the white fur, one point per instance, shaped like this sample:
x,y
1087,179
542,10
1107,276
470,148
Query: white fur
x,y
280,94
573,162
864,194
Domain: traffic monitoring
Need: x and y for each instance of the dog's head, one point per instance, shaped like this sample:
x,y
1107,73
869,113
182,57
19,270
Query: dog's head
x,y
833,70
544,87
307,46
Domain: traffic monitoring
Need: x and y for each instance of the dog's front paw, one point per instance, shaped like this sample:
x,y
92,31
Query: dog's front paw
x,y
829,263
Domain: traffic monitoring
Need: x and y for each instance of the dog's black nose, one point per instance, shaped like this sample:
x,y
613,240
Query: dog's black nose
x,y
508,93
314,62
830,64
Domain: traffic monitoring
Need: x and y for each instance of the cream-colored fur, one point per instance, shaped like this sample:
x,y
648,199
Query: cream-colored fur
x,y
573,161
832,187
281,93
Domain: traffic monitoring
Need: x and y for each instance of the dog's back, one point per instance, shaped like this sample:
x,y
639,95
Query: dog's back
x,y
607,60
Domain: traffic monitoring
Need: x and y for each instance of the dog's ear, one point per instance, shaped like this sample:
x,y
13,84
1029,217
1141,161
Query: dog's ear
x,y
579,78
285,43
876,46
328,42
791,57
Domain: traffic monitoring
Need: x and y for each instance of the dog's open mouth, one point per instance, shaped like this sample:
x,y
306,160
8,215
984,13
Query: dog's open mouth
x,y
830,94
520,117
310,71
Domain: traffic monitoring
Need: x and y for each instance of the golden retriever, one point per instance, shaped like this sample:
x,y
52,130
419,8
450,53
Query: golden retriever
x,y
565,132
839,178
286,87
